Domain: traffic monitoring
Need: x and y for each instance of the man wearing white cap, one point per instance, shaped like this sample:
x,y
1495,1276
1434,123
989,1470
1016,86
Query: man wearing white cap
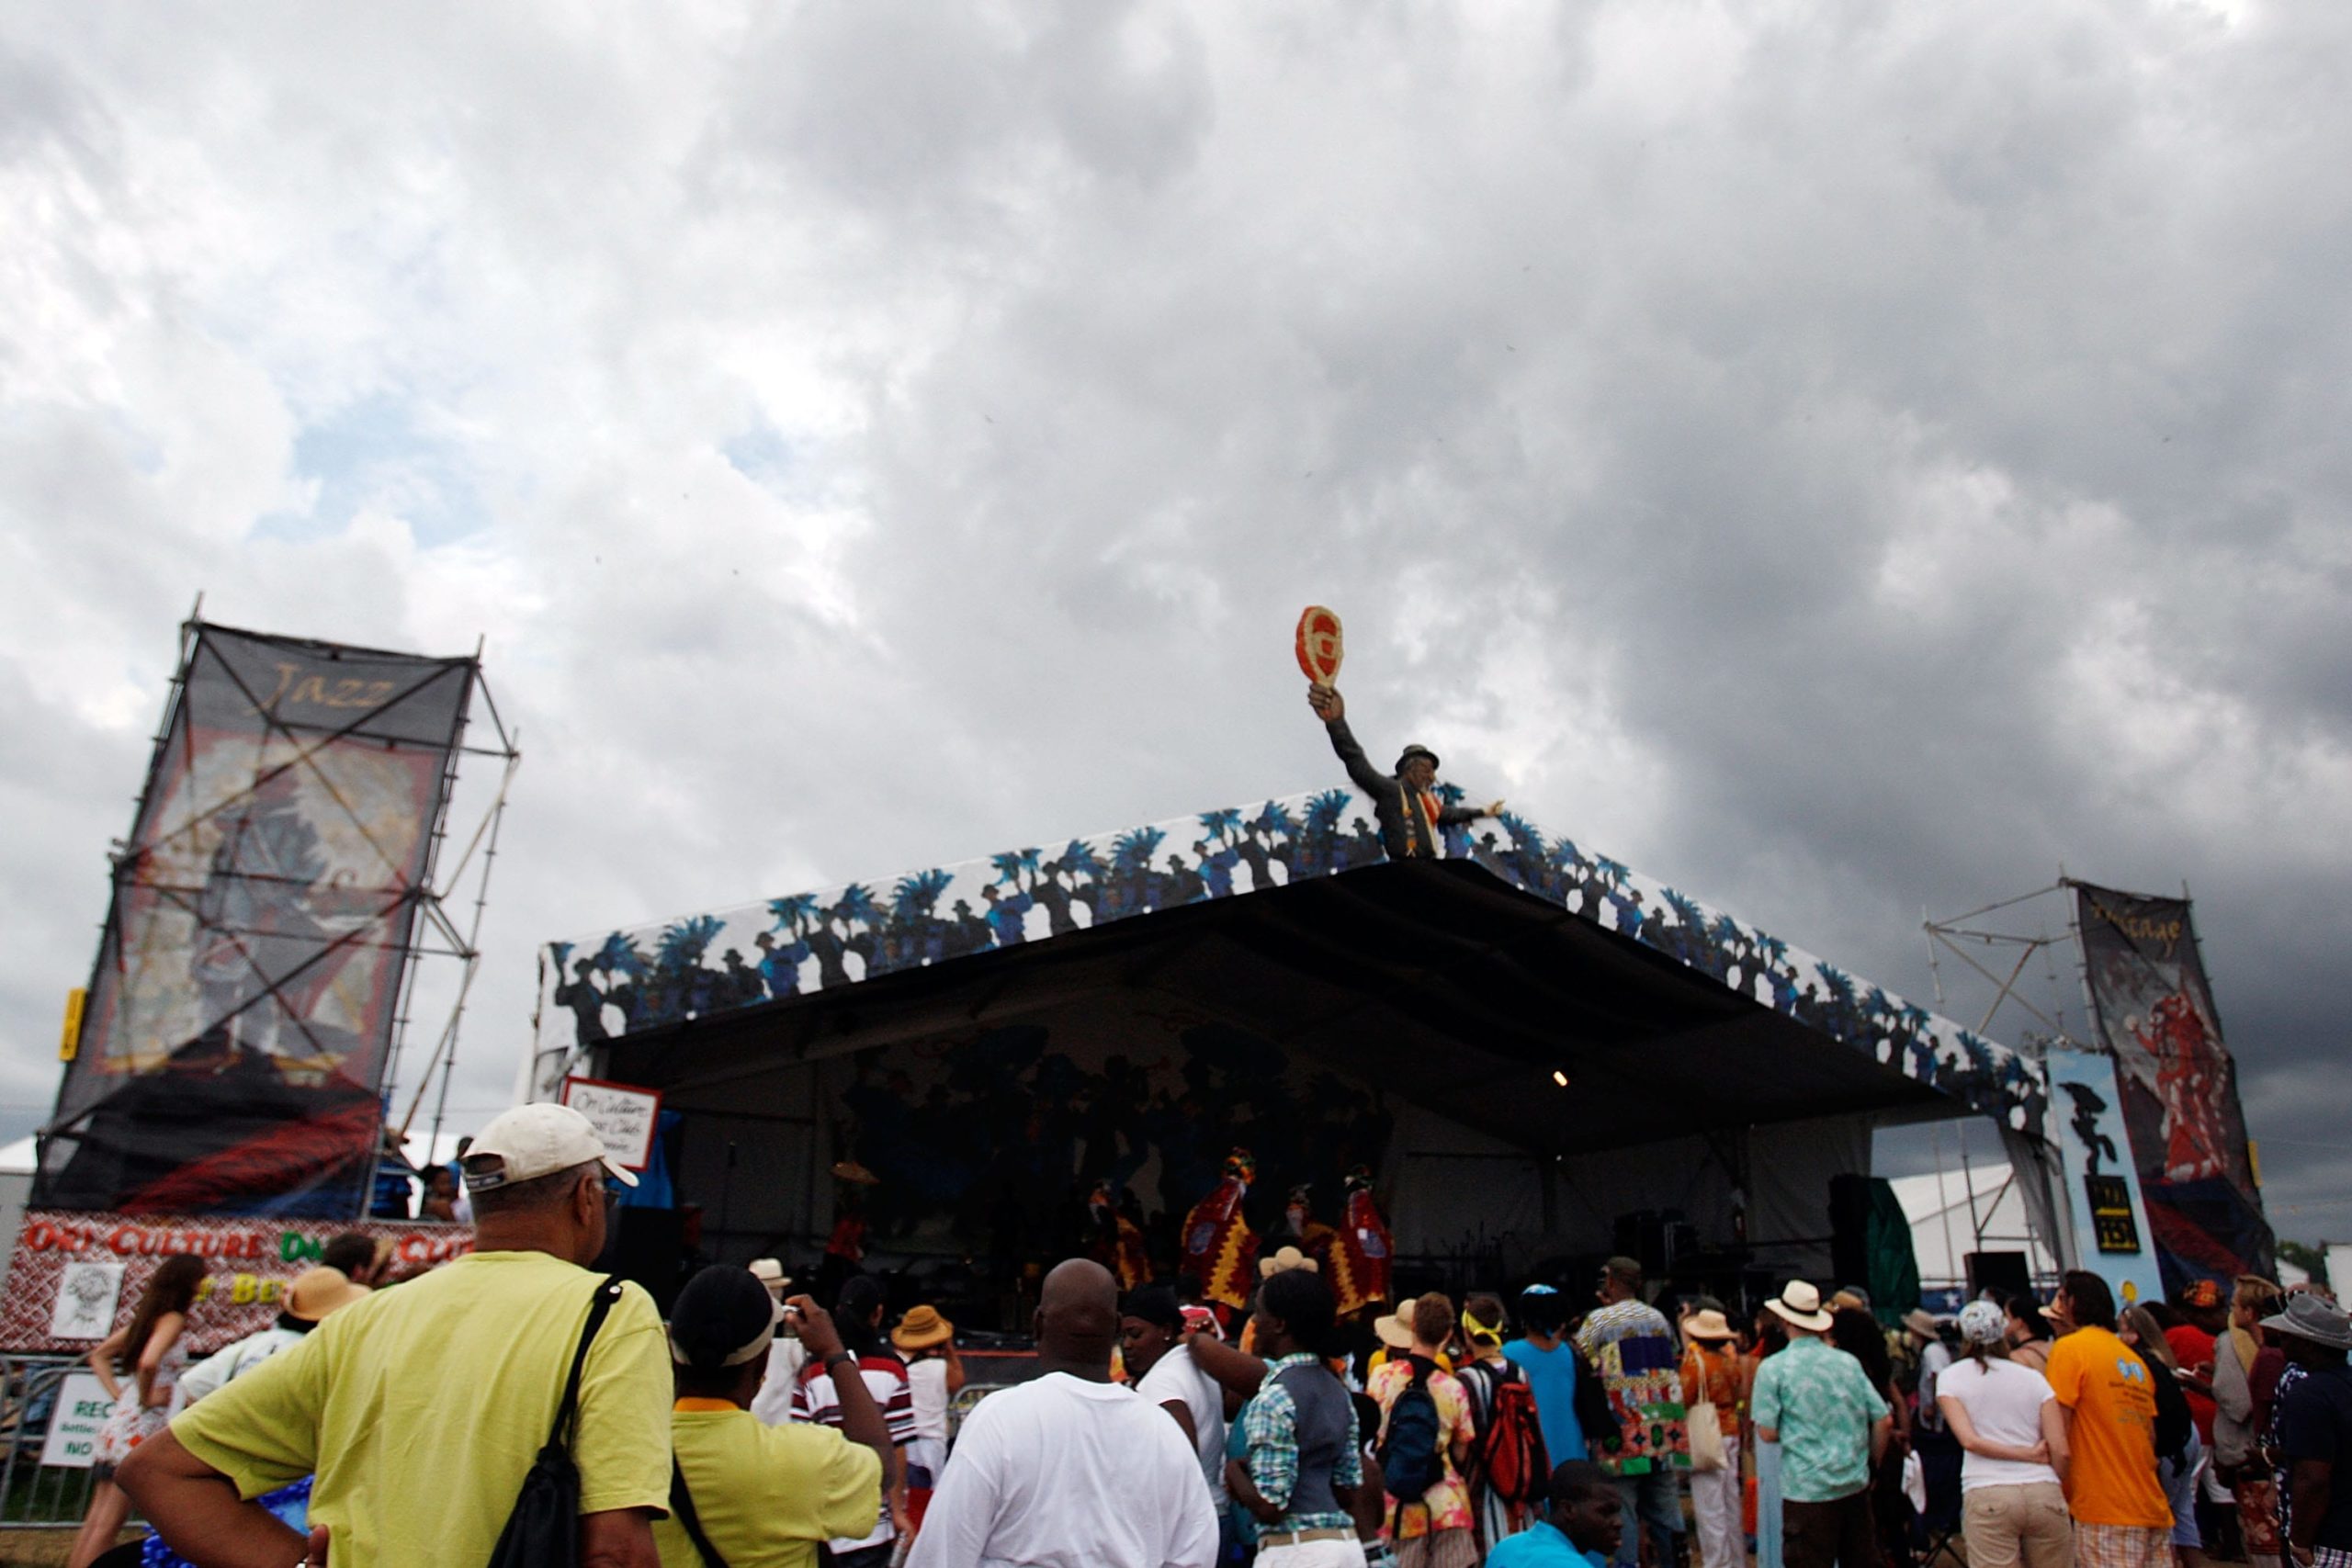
x,y
1816,1401
422,1408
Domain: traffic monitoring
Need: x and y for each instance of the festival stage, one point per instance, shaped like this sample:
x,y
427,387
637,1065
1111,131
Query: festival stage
x,y
1542,1056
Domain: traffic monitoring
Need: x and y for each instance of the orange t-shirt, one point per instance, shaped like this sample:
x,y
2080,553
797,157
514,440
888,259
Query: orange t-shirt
x,y
2112,1480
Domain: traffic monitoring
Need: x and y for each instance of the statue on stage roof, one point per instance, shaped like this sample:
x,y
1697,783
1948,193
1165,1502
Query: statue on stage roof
x,y
1362,1253
1219,1251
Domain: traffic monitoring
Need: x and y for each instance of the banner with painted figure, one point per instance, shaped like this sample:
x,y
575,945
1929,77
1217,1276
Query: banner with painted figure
x,y
2112,1237
2154,1011
242,1008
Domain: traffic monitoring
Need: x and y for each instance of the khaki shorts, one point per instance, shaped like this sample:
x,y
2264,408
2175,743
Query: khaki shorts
x,y
2025,1526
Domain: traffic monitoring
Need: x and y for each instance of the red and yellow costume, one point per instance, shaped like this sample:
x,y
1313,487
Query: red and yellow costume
x,y
1220,1249
1118,1242
1361,1253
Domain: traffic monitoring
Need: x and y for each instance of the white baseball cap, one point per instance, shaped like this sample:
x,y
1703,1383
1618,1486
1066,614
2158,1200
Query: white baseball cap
x,y
533,1141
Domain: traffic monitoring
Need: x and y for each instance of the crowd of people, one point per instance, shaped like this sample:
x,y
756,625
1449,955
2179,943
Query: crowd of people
x,y
512,1407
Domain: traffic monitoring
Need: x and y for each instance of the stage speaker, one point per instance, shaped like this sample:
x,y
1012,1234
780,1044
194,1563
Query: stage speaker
x,y
1849,1230
2004,1272
645,1245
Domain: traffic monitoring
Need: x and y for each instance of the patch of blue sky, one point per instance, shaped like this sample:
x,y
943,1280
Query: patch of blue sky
x,y
762,455
374,453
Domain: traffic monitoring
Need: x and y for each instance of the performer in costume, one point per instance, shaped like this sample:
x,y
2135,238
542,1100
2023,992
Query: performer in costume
x,y
1302,1230
1361,1253
1406,803
1220,1252
1116,1241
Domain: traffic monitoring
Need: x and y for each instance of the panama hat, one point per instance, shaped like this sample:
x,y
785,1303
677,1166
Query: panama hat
x,y
1922,1322
770,1272
1800,1305
922,1328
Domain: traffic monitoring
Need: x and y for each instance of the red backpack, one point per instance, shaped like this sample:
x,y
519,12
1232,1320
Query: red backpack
x,y
1508,1457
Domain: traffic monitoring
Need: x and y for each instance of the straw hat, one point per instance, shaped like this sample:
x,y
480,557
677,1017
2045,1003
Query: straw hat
x,y
770,1272
856,1175
1921,1322
922,1328
1707,1324
1395,1330
1800,1305
315,1293
1283,1262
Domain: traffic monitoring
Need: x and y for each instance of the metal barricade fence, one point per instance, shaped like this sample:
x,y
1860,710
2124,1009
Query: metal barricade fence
x,y
33,1493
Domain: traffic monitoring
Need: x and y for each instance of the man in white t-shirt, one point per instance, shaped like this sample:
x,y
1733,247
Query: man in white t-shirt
x,y
1162,1369
1070,1468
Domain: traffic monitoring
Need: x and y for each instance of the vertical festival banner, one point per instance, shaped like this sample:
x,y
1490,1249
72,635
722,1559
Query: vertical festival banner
x,y
2154,1013
242,1008
2112,1229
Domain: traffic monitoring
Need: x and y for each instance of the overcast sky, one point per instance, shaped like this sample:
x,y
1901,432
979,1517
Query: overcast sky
x,y
1844,458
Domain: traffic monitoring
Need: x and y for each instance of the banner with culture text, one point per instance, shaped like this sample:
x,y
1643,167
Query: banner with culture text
x,y
76,1276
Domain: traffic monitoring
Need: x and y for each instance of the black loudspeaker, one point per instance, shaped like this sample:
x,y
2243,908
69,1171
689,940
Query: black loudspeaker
x,y
2004,1272
1849,1230
645,1245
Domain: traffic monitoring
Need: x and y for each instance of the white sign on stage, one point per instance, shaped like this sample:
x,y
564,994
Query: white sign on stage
x,y
82,1408
88,1294
625,1117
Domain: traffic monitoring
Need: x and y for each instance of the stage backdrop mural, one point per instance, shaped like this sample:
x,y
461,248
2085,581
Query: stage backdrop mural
x,y
242,1008
2155,1012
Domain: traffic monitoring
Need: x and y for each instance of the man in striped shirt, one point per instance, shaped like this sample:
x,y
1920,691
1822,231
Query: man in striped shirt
x,y
858,1317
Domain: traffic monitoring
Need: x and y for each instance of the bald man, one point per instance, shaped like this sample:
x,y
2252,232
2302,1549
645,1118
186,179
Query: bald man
x,y
1068,1468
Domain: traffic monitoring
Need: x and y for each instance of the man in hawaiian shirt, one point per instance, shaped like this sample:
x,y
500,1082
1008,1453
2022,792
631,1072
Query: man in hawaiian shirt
x,y
1816,1401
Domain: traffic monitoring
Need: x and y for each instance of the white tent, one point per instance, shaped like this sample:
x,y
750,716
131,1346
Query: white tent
x,y
1962,1210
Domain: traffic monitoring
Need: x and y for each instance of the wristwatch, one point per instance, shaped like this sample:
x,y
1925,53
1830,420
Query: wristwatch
x,y
836,1358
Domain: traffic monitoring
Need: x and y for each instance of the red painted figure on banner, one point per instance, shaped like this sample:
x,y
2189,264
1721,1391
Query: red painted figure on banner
x,y
1359,1270
2186,1067
1116,1241
1220,1249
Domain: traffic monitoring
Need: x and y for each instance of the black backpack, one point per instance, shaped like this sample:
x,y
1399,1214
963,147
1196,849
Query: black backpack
x,y
1409,1452
2174,1422
543,1530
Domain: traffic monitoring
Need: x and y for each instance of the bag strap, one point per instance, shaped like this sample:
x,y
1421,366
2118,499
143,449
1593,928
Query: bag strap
x,y
567,1413
681,1503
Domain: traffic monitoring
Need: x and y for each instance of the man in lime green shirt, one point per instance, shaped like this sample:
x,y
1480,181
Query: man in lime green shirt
x,y
763,1496
421,1408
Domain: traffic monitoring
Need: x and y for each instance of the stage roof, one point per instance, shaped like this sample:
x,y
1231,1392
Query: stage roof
x,y
1465,983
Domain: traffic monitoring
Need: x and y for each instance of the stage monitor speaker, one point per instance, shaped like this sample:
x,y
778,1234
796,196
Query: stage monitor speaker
x,y
1849,1230
2004,1272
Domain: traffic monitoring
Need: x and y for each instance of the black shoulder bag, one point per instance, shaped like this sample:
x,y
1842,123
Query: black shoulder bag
x,y
682,1503
543,1531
